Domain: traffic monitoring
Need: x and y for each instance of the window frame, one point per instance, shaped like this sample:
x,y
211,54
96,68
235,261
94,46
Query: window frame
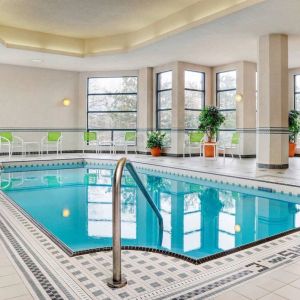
x,y
194,90
225,90
158,91
295,92
88,112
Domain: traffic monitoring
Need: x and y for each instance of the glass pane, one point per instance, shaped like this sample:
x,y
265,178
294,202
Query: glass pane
x,y
226,80
194,80
226,100
112,120
224,137
191,119
112,102
164,80
104,135
165,100
165,119
167,140
297,102
112,85
297,83
194,100
230,120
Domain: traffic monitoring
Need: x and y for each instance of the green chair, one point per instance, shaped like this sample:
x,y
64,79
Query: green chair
x,y
53,139
194,140
129,141
233,147
90,140
7,139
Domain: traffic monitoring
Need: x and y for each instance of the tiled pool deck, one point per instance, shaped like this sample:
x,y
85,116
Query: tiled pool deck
x,y
33,267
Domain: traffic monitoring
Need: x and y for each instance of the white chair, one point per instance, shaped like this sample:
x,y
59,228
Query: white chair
x,y
90,140
105,143
194,140
128,141
52,140
233,147
11,142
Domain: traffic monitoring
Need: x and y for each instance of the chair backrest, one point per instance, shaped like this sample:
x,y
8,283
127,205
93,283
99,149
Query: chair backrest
x,y
89,136
54,136
196,137
130,136
7,135
235,139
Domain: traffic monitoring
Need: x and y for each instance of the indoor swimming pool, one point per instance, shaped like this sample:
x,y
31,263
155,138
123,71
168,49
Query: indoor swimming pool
x,y
200,217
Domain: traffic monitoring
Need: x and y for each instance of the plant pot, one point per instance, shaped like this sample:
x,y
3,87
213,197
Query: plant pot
x,y
292,149
209,151
155,151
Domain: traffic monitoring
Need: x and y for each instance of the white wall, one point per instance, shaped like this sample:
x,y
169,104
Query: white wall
x,y
31,100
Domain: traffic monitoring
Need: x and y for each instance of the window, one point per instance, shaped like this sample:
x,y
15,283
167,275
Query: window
x,y
297,92
226,91
112,105
164,104
194,94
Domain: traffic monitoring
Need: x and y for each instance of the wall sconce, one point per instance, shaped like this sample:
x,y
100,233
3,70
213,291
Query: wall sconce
x,y
66,102
238,97
66,213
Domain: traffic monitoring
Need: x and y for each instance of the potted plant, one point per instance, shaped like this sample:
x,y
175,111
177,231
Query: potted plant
x,y
155,142
210,120
294,128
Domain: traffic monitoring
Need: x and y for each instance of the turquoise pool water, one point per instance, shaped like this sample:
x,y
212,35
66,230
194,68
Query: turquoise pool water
x,y
201,218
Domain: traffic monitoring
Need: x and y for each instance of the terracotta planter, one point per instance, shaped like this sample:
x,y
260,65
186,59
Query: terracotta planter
x,y
155,151
292,149
209,150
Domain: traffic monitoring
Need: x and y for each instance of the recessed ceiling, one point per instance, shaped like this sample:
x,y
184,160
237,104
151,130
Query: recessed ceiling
x,y
225,40
86,18
88,27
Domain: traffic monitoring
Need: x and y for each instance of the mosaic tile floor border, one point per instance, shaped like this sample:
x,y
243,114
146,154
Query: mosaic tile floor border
x,y
54,275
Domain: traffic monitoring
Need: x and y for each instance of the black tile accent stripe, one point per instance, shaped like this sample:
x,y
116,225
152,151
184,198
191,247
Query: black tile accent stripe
x,y
213,285
24,271
40,277
31,252
270,166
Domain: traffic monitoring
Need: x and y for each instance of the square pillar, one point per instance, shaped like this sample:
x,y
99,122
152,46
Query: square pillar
x,y
178,112
144,108
246,109
272,131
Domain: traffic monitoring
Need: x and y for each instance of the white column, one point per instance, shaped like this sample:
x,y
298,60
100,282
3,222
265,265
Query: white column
x,y
178,109
246,109
272,131
145,108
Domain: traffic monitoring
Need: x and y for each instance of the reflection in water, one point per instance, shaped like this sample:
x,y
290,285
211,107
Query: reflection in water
x,y
199,219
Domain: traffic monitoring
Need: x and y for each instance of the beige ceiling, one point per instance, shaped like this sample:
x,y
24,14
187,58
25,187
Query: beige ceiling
x,y
86,18
87,27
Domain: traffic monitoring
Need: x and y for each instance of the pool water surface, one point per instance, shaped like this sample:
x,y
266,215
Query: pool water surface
x,y
200,218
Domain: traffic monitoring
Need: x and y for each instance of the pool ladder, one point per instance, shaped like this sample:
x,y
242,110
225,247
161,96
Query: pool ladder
x,y
118,281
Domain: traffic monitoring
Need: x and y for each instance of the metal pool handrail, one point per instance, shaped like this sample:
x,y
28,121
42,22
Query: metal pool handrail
x,y
118,281
140,184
